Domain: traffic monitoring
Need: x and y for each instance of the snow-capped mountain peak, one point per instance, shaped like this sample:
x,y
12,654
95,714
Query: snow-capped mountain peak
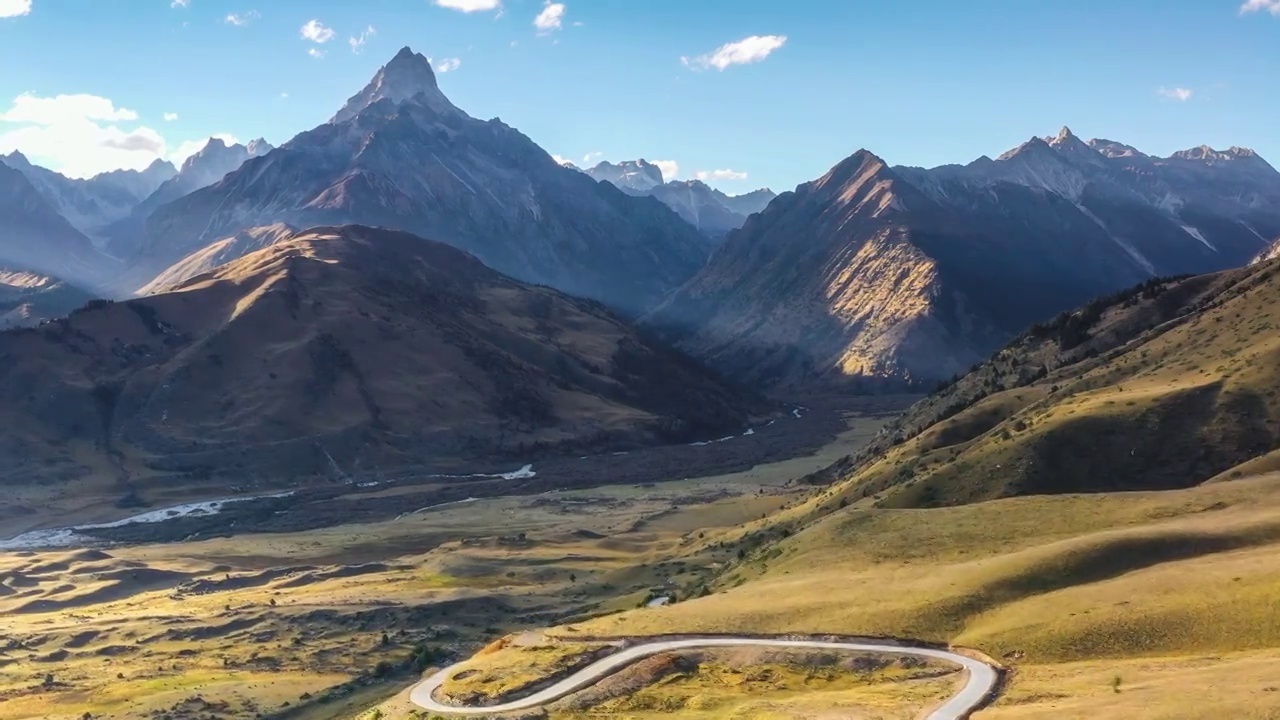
x,y
407,77
633,176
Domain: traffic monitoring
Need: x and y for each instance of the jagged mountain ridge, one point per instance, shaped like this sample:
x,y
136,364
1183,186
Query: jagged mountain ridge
x,y
365,345
419,164
903,273
93,204
637,177
35,237
201,170
708,209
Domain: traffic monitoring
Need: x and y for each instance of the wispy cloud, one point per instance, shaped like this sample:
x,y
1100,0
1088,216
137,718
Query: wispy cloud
x,y
357,42
447,65
316,53
743,52
561,160
179,3
591,157
170,117
551,18
316,32
1251,6
241,19
14,8
670,169
1180,94
470,6
714,175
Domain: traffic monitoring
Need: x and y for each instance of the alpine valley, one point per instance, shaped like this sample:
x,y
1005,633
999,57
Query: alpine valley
x,y
407,416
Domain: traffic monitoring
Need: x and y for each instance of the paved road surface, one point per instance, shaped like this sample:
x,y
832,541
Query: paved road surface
x,y
981,678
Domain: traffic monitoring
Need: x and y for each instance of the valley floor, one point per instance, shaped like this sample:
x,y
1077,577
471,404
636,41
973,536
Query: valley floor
x,y
1140,605
326,621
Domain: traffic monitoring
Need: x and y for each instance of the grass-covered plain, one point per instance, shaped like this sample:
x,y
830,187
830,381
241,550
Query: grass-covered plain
x,y
326,623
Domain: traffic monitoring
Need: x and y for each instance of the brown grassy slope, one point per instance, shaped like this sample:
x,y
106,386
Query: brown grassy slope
x,y
374,347
28,298
1167,385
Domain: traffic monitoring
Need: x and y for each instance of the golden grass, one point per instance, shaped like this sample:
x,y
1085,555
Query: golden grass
x,y
1042,578
516,663
763,686
1197,687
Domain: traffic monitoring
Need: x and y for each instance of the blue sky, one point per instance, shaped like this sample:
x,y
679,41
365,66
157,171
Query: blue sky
x,y
921,83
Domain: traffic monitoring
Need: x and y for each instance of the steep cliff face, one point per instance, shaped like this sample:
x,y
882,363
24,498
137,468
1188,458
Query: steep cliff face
x,y
827,282
874,273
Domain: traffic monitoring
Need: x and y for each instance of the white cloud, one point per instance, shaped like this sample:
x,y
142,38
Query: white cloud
x,y
591,157
241,19
551,18
77,134
170,117
14,8
470,6
1180,94
743,52
448,65
28,108
191,147
670,168
284,96
561,160
179,3
357,42
1271,6
316,32
316,53
715,175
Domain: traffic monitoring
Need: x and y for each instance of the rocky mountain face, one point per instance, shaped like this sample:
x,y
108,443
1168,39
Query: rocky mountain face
x,y
400,155
201,170
353,345
636,177
710,210
35,237
93,204
907,274
747,203
28,299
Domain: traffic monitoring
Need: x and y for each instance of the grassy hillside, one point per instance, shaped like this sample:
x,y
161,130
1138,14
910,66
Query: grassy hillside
x,y
1168,385
339,350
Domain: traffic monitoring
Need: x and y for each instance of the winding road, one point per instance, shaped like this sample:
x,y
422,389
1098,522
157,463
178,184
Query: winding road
x,y
981,678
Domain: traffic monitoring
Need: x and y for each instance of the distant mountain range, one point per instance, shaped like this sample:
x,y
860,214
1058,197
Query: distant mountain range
x,y
201,170
35,237
871,274
92,205
362,346
401,155
704,207
906,274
